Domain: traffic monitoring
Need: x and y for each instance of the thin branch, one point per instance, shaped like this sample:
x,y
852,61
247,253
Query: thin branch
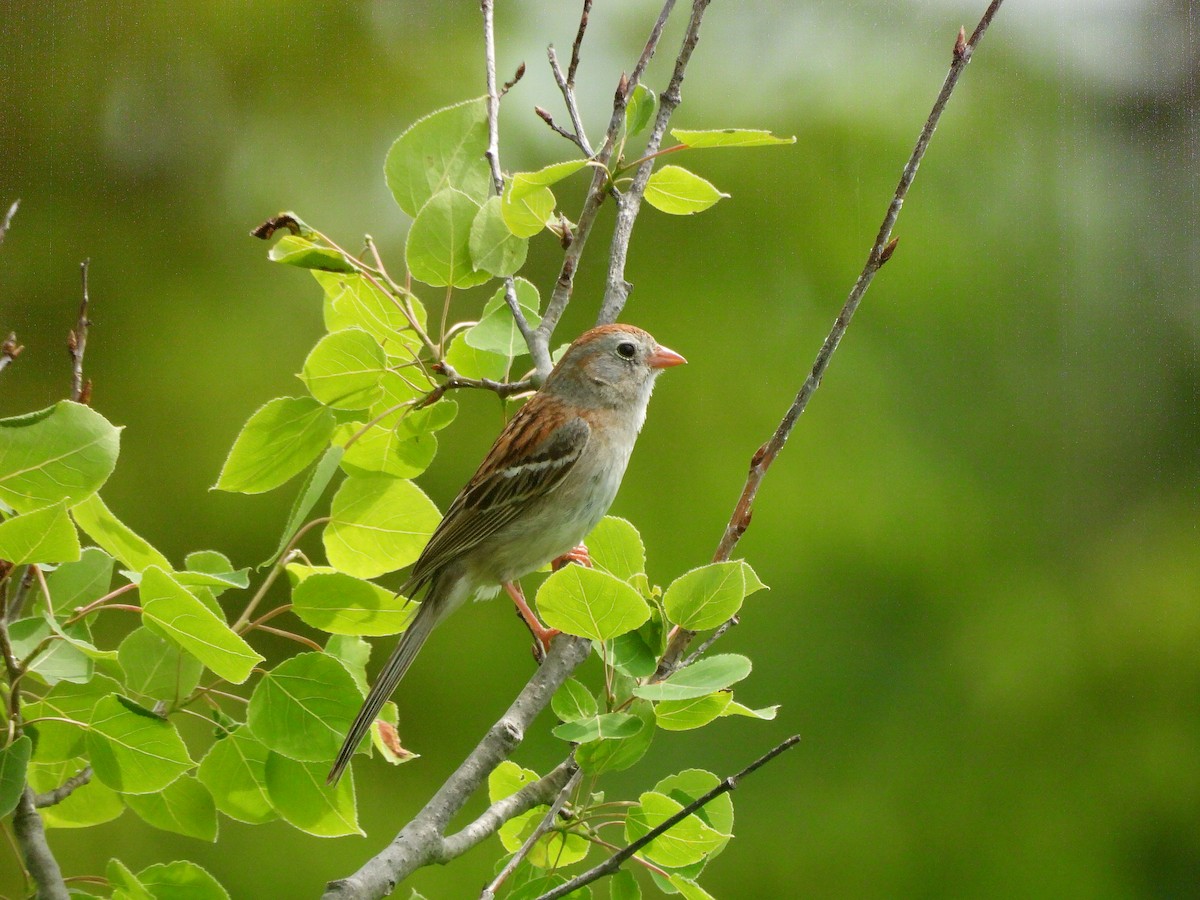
x,y
881,251
280,564
8,217
35,851
610,865
489,892
598,190
421,841
616,288
546,117
81,390
454,381
65,790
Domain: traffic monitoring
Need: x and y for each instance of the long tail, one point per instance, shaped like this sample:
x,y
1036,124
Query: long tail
x,y
402,657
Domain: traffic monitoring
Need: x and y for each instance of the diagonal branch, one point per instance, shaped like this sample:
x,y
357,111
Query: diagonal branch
x,y
423,840
610,865
81,390
880,253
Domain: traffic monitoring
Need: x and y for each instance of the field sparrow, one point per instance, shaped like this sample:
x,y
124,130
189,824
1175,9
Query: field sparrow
x,y
548,479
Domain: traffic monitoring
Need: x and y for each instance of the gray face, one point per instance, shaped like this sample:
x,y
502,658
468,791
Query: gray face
x,y
611,370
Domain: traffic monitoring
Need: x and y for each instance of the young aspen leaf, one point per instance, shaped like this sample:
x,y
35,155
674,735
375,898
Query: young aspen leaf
x,y
114,536
378,524
639,110
590,604
705,597
134,752
529,213
729,137
675,190
438,249
64,452
41,536
344,368
444,149
526,183
494,248
713,673
277,443
497,331
304,254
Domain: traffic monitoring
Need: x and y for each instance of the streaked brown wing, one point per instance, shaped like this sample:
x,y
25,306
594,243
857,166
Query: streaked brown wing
x,y
499,490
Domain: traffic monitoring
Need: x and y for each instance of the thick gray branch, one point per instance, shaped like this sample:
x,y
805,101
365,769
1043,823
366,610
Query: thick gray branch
x,y
422,841
31,838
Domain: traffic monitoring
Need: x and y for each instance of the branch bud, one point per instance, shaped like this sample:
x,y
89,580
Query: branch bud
x,y
960,44
888,250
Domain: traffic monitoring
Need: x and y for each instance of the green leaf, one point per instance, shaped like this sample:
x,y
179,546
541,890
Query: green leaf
x,y
438,249
385,447
610,726
729,137
707,596
378,524
351,301
292,250
631,654
536,887
91,804
766,713
590,603
181,880
340,604
133,753
497,331
714,673
444,149
675,190
276,444
343,371
526,183
60,741
113,535
59,660
184,807
690,785
623,885
598,757
303,707
213,570
472,363
314,486
168,605
639,110
157,668
78,583
506,779
573,702
298,791
616,548
528,214
686,842
689,890
353,653
64,452
753,582
14,760
493,247
41,536
124,883
235,773
684,715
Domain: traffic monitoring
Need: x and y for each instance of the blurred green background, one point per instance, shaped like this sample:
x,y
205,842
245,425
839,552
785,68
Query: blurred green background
x,y
981,540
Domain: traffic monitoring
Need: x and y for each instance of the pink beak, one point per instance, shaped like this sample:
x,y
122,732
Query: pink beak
x,y
664,358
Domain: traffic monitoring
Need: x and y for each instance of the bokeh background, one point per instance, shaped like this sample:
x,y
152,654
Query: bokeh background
x,y
981,540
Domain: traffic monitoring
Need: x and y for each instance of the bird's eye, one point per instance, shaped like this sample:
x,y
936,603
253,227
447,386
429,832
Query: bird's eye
x,y
626,349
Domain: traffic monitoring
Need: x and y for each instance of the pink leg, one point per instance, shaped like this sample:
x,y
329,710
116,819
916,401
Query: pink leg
x,y
577,554
543,634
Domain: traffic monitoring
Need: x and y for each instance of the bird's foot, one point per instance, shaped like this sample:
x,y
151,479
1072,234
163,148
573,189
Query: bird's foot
x,y
577,554
541,634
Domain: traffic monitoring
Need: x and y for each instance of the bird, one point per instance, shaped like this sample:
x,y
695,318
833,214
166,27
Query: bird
x,y
548,480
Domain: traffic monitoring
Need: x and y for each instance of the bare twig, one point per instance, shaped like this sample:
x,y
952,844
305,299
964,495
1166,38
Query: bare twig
x,y
454,381
538,349
880,252
616,288
489,892
81,390
610,865
598,190
546,117
64,790
422,840
6,223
